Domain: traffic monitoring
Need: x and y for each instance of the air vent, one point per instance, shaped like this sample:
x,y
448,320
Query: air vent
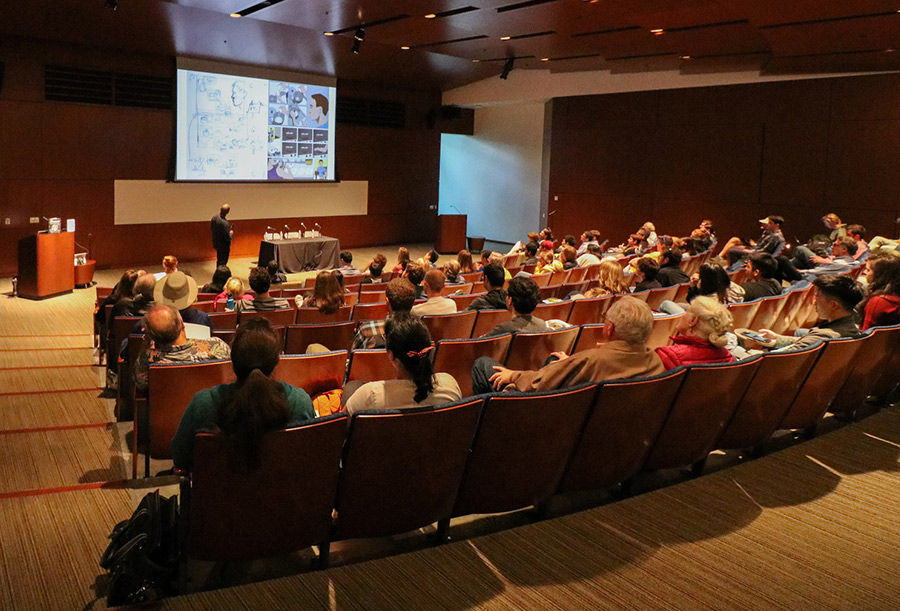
x,y
63,84
521,5
629,28
374,113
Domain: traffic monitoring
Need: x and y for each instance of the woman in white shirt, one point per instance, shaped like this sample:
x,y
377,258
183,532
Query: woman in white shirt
x,y
409,347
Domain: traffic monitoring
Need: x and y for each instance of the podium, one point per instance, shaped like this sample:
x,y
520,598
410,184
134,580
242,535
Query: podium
x,y
451,233
46,265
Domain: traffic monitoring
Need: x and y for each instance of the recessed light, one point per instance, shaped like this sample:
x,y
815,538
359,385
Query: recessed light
x,y
889,50
329,33
430,16
405,48
545,59
685,57
657,32
235,15
475,61
505,37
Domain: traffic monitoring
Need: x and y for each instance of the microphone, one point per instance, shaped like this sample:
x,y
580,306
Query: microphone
x,y
288,229
303,225
455,208
270,228
318,226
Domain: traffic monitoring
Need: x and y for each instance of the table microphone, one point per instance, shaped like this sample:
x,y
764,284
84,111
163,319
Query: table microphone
x,y
287,228
319,227
304,226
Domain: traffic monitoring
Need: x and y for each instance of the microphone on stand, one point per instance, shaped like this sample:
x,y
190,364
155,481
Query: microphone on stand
x,y
319,227
304,227
288,228
455,208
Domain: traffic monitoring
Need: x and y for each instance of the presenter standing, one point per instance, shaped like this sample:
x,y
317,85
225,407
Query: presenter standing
x,y
222,234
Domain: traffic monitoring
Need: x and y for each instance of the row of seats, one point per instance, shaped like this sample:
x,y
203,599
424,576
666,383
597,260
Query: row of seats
x,y
506,451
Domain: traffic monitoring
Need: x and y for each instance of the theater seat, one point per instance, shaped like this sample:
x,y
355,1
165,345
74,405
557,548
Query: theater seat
x,y
457,355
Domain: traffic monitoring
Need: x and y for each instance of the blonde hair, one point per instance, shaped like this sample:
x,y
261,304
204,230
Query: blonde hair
x,y
234,287
713,319
612,278
632,320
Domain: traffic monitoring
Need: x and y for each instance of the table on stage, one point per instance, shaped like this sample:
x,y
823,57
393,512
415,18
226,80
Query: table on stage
x,y
294,255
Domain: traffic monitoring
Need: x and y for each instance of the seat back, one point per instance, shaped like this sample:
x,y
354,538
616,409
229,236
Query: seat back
x,y
463,301
663,328
767,314
681,294
475,277
787,317
523,443
657,296
769,396
463,289
334,336
557,278
370,365
451,326
588,337
372,297
869,364
704,405
577,274
308,316
551,291
626,418
488,319
457,355
511,260
290,294
314,373
284,506
554,311
542,279
203,306
823,383
370,311
370,287
589,311
529,350
401,468
353,281
223,320
171,388
743,313
281,317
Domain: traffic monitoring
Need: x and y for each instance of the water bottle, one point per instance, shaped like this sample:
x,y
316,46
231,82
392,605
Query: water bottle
x,y
229,303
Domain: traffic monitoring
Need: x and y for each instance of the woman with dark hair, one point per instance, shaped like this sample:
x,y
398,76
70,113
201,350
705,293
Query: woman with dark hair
x,y
711,281
124,288
374,270
328,295
409,348
244,410
220,277
466,266
402,259
881,307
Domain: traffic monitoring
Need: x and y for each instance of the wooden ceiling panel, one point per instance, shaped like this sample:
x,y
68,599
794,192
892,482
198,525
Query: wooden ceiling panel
x,y
732,39
768,12
836,36
824,64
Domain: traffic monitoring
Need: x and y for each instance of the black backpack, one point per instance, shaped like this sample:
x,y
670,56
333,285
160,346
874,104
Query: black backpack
x,y
142,556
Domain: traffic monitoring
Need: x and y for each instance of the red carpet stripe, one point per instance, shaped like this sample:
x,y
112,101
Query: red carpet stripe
x,y
45,349
51,335
48,392
66,427
40,491
45,367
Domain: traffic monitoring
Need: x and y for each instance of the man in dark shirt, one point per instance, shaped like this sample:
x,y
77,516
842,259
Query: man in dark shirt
x,y
764,268
647,270
531,254
416,273
495,299
523,296
670,272
771,241
221,235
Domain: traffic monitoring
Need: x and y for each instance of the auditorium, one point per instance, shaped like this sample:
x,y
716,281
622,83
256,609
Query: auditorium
x,y
449,304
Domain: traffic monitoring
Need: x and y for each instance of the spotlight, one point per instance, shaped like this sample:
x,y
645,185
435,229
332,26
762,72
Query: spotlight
x,y
111,4
358,39
507,68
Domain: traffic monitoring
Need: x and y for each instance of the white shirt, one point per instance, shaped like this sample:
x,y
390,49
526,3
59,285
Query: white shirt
x,y
435,305
398,394
587,259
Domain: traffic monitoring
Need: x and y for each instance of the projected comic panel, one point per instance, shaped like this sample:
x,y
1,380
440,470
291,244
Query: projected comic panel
x,y
232,127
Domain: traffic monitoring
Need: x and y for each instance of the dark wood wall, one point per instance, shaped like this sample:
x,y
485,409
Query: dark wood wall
x,y
59,159
733,154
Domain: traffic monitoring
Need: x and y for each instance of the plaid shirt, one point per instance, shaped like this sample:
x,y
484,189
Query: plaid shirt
x,y
369,335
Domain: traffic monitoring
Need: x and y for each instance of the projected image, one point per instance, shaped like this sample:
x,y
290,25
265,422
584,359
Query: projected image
x,y
242,128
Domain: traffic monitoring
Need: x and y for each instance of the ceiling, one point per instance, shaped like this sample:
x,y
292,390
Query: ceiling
x,y
465,41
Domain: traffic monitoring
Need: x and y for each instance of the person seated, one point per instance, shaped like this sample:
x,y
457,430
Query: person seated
x,y
402,259
762,283
592,236
139,303
165,341
707,226
670,272
712,281
499,259
700,335
881,306
858,233
771,241
567,257
611,280
453,276
623,355
262,302
276,276
650,231
375,269
409,349
247,408
347,268
124,289
547,263
835,226
231,294
170,264
882,243
593,256
546,234
836,297
431,259
495,299
436,304
400,295
647,270
636,244
466,266
219,278
180,291
484,260
523,296
327,296
840,261
415,273
531,250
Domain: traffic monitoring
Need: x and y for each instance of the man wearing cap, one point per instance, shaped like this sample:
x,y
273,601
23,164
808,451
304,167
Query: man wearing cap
x,y
771,241
180,291
165,341
222,233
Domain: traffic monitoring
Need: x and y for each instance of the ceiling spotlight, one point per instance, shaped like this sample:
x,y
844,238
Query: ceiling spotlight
x,y
505,37
111,4
657,32
507,68
329,33
545,59
430,16
358,39
404,48
685,57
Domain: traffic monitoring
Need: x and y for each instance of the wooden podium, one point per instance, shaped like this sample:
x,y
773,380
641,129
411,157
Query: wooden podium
x,y
46,265
451,233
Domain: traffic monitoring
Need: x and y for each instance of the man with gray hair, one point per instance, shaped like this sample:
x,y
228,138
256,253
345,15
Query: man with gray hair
x,y
165,342
623,354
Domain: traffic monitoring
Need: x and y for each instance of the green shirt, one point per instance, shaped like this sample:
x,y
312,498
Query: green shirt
x,y
202,414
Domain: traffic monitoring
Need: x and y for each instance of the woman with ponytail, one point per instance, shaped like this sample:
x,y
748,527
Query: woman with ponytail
x,y
244,410
408,346
700,335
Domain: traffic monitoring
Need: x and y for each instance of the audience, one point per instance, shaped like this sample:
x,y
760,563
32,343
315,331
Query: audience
x,y
495,299
858,233
587,238
647,270
231,294
840,261
219,278
670,272
611,279
771,241
400,295
327,296
593,256
375,269
882,302
123,289
531,254
762,281
180,291
523,296
262,302
465,262
436,303
408,345
246,409
453,273
402,259
700,335
276,276
547,263
568,257
624,355
835,226
170,264
431,258
139,303
347,268
712,281
415,273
